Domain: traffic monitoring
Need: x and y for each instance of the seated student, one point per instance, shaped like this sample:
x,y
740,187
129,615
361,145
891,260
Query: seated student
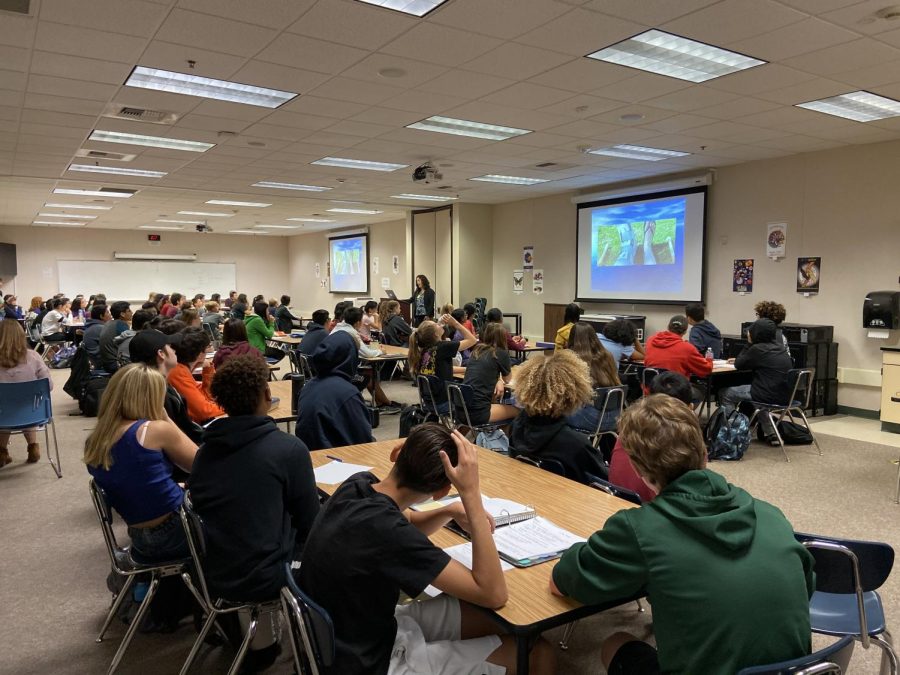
x,y
231,299
140,320
351,324
190,317
234,343
169,326
155,349
464,354
770,363
729,584
131,454
604,372
619,338
339,313
92,328
331,410
430,353
199,303
11,309
316,332
571,316
668,349
775,312
370,320
704,335
487,372
239,307
34,308
513,342
284,318
549,389
173,307
109,348
190,353
621,470
212,316
53,327
394,329
260,326
366,546
470,310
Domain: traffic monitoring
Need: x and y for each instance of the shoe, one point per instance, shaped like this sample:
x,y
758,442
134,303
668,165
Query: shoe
x,y
389,409
34,452
4,457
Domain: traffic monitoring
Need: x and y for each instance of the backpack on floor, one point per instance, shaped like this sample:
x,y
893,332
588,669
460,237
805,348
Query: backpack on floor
x,y
793,433
727,436
89,403
63,357
412,416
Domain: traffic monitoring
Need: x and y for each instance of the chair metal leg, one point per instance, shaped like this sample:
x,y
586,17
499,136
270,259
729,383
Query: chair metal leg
x,y
135,623
806,424
888,656
245,645
210,620
640,606
292,636
57,467
897,496
117,602
567,635
778,436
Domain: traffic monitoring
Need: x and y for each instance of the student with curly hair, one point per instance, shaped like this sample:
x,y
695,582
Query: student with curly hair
x,y
619,338
776,313
549,389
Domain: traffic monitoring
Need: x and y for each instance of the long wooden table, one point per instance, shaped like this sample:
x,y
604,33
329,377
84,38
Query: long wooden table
x,y
531,608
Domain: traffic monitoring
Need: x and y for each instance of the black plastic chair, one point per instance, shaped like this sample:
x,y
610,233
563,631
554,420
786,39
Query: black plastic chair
x,y
551,465
311,624
816,663
615,490
649,374
846,601
299,364
800,382
460,396
606,400
427,385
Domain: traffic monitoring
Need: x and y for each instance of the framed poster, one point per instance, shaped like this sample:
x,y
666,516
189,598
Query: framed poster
x,y
808,274
742,279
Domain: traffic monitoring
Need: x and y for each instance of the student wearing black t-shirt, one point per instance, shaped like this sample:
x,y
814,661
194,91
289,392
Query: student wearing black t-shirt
x,y
365,547
431,354
488,370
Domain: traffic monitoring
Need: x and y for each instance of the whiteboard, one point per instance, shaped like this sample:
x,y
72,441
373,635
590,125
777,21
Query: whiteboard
x,y
133,280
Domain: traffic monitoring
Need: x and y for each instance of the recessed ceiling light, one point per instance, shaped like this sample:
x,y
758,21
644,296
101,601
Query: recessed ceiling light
x,y
206,87
424,198
94,193
78,206
449,125
510,180
638,152
149,141
311,220
225,202
279,227
631,117
290,186
56,224
860,106
674,56
116,170
392,73
362,212
210,214
66,215
358,164
180,222
160,227
414,7
247,232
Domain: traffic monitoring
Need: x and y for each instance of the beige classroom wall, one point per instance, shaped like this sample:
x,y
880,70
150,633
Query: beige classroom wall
x,y
304,251
473,246
261,261
842,205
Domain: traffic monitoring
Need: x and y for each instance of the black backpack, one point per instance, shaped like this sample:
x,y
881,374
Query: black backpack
x,y
89,403
727,436
412,416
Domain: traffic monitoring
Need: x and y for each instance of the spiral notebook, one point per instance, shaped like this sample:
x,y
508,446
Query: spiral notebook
x,y
503,511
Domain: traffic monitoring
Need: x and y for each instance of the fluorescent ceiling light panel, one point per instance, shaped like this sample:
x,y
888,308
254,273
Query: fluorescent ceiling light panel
x,y
665,54
149,141
289,186
860,106
358,164
510,180
209,214
78,206
638,152
160,227
51,222
225,202
92,193
180,222
116,170
66,215
311,220
414,7
449,125
361,212
279,227
206,87
247,232
424,198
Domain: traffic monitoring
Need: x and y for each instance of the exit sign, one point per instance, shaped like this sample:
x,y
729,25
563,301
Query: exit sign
x,y
154,237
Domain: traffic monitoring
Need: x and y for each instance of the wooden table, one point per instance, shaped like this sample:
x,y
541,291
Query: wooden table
x,y
282,411
531,608
286,339
391,353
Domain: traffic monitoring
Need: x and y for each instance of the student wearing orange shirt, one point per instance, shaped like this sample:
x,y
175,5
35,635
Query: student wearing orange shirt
x,y
191,353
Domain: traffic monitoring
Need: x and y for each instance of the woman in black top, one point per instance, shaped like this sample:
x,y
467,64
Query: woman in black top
x,y
239,308
488,370
422,301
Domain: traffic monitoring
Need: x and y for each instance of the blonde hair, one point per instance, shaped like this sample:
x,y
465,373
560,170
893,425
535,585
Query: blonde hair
x,y
447,308
135,392
423,338
12,344
212,306
662,437
554,386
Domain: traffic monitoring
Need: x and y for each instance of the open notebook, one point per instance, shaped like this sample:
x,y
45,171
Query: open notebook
x,y
503,511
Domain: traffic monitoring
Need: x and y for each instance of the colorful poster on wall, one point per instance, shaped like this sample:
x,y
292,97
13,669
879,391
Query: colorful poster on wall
x,y
528,257
318,270
537,284
808,274
742,279
776,239
375,262
395,264
518,281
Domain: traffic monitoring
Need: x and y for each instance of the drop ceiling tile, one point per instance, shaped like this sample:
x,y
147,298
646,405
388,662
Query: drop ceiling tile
x,y
14,58
798,143
861,17
364,129
818,6
841,58
89,43
466,84
581,106
810,90
584,129
9,113
648,114
774,119
156,100
229,110
84,122
678,123
17,31
271,131
270,13
12,80
696,97
327,138
736,132
279,77
418,137
356,91
441,45
749,153
126,17
891,37
543,139
75,68
581,32
414,73
387,116
56,86
516,61
641,88
648,12
792,40
733,20
352,23
528,96
175,57
583,75
760,79
871,77
299,121
324,57
426,102
214,33
500,18
51,131
478,111
738,107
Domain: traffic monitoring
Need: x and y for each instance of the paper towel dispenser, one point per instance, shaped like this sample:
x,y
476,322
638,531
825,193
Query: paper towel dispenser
x,y
882,310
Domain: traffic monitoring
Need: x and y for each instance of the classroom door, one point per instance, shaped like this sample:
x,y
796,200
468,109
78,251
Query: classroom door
x,y
433,251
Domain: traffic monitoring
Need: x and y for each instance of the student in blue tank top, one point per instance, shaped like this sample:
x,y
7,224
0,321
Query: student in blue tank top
x,y
131,454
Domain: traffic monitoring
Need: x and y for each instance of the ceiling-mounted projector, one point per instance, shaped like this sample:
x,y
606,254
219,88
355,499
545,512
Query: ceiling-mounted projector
x,y
426,173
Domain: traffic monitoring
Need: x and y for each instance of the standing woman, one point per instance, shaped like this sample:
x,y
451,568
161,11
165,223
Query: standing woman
x,y
18,363
422,300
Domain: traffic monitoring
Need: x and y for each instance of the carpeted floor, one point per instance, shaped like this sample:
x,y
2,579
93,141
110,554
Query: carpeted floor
x,y
52,587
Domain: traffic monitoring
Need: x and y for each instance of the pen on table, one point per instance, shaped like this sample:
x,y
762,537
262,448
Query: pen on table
x,y
336,459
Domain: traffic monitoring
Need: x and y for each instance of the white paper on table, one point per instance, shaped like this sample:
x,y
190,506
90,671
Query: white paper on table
x,y
462,553
535,538
496,507
722,364
337,472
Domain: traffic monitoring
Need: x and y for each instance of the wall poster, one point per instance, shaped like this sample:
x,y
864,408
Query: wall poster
x,y
537,284
518,281
776,238
528,257
808,274
742,279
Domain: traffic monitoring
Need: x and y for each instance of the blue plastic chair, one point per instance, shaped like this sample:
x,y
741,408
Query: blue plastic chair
x,y
813,664
846,601
311,623
26,405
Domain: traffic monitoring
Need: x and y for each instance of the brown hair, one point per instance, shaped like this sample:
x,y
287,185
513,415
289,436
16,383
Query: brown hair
x,y
419,466
12,344
492,339
36,302
584,342
386,310
554,386
212,306
239,384
662,437
767,309
189,316
426,336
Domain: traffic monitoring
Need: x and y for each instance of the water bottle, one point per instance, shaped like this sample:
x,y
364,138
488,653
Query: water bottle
x,y
709,354
81,315
297,382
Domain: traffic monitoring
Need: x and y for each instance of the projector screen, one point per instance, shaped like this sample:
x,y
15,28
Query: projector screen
x,y
349,257
645,248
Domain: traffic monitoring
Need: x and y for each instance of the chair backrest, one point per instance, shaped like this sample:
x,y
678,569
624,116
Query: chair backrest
x,y
427,385
551,465
800,381
648,375
105,516
459,396
25,403
610,400
211,332
196,539
300,364
816,663
835,566
314,623
615,490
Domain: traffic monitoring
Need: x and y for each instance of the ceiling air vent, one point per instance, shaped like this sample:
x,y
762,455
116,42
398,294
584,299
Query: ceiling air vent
x,y
100,154
121,112
17,6
552,166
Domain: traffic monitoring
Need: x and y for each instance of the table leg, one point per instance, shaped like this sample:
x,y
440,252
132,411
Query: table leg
x,y
523,651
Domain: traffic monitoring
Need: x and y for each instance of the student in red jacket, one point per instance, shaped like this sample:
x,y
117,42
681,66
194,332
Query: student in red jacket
x,y
668,349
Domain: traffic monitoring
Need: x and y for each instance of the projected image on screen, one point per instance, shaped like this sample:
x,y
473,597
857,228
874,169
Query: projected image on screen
x,y
349,264
647,233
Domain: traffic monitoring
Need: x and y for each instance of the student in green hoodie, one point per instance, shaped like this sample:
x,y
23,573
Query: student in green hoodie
x,y
729,584
259,326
